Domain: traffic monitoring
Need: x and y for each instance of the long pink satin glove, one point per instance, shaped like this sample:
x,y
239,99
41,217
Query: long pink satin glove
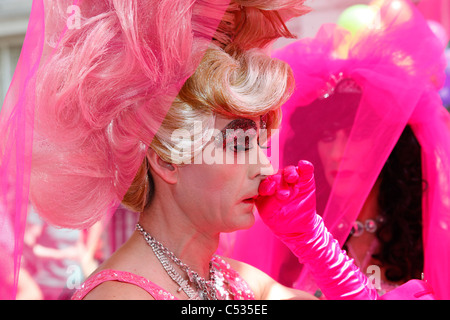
x,y
287,205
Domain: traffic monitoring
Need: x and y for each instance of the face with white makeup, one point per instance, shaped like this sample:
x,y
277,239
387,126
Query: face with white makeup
x,y
242,110
219,197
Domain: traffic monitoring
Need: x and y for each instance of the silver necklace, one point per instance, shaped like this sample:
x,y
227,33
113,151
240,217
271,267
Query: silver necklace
x,y
204,289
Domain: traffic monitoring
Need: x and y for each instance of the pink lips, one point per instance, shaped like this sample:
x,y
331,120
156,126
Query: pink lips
x,y
249,204
250,200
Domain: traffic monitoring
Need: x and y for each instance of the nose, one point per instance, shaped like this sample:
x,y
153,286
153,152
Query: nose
x,y
261,166
337,148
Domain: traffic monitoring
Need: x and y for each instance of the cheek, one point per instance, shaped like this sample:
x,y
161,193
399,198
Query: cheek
x,y
226,181
327,164
324,153
216,177
212,182
359,151
226,188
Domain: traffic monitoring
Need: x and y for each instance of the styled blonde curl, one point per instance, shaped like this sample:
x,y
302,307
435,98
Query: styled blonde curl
x,y
250,84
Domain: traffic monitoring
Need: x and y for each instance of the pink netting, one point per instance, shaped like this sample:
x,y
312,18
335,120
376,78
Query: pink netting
x,y
16,134
366,89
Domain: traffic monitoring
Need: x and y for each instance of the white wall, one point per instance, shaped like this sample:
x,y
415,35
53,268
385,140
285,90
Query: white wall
x,y
323,11
13,25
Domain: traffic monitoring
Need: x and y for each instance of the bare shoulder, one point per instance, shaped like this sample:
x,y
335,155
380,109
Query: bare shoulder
x,y
115,290
265,287
248,272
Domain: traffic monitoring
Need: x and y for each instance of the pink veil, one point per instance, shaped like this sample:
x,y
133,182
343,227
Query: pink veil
x,y
16,138
396,67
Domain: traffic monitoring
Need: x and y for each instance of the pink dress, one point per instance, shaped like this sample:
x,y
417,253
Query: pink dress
x,y
238,289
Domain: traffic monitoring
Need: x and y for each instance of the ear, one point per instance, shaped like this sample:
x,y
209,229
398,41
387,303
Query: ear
x,y
165,170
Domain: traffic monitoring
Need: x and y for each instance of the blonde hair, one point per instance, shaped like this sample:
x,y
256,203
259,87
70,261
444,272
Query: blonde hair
x,y
248,84
103,90
235,78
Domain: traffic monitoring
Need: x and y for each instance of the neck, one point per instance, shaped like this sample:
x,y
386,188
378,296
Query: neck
x,y
361,248
370,207
169,226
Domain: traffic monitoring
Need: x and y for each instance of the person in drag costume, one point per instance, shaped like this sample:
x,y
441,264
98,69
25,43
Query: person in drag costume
x,y
104,109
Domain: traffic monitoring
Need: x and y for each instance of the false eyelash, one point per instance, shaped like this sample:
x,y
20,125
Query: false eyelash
x,y
243,124
245,147
261,146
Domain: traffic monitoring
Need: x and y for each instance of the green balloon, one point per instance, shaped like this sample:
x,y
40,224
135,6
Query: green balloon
x,y
356,17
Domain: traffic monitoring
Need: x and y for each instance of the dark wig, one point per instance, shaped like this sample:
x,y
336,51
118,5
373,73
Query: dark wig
x,y
400,204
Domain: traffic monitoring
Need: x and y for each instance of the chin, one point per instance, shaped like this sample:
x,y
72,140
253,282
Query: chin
x,y
243,221
246,220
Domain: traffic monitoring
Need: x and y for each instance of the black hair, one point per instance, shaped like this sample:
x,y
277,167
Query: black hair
x,y
400,204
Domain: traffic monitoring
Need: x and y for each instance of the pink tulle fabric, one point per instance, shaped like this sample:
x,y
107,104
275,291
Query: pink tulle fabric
x,y
102,94
16,138
399,65
238,288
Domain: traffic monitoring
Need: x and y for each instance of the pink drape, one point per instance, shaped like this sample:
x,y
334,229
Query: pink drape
x,y
16,139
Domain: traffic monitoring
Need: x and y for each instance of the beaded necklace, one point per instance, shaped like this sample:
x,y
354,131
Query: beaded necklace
x,y
203,289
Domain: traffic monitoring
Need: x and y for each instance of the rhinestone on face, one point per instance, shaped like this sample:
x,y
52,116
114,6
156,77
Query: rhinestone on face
x,y
371,225
357,229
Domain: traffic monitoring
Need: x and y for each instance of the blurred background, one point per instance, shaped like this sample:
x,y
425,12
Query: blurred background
x,y
13,25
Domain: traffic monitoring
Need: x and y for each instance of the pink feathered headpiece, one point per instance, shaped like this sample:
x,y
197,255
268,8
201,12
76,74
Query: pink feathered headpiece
x,y
399,65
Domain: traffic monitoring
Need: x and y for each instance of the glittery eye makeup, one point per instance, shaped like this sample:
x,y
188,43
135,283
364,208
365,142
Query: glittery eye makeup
x,y
238,135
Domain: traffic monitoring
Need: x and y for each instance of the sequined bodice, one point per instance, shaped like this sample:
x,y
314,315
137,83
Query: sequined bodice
x,y
237,288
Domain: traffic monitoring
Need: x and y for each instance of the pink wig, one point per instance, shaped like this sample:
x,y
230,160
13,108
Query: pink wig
x,y
106,87
101,96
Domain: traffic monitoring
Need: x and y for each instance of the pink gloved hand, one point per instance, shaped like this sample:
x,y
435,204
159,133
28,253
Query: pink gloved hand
x,y
287,205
